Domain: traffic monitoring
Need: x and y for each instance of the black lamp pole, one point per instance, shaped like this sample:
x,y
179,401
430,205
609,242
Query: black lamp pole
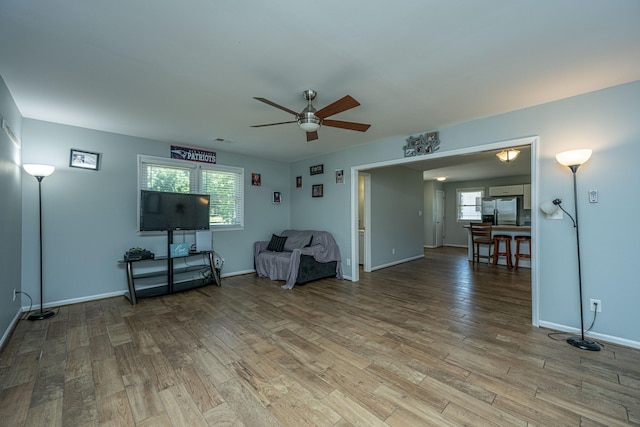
x,y
580,341
41,314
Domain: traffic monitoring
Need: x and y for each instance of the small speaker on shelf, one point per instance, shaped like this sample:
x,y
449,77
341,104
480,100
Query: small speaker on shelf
x,y
203,240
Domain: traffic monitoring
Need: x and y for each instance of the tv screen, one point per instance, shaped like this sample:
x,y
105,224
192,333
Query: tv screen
x,y
161,211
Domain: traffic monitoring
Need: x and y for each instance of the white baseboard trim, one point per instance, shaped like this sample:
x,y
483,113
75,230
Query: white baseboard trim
x,y
237,273
75,300
9,330
401,261
106,295
593,335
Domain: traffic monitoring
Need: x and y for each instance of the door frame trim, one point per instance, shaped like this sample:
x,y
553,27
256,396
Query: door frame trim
x,y
533,141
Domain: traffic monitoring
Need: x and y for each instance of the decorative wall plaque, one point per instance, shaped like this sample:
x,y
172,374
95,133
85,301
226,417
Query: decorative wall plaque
x,y
422,144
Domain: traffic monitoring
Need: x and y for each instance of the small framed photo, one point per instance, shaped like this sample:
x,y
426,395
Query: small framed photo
x,y
298,182
316,190
277,198
316,170
432,136
409,152
84,160
339,176
256,179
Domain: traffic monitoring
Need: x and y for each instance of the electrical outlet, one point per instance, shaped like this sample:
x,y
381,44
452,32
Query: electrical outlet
x,y
595,305
593,196
14,293
393,251
348,261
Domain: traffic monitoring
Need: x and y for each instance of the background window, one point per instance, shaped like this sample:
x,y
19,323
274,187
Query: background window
x,y
225,190
469,203
223,184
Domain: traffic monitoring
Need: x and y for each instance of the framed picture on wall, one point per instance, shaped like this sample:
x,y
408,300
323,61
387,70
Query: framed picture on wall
x,y
316,170
84,160
317,190
277,198
298,182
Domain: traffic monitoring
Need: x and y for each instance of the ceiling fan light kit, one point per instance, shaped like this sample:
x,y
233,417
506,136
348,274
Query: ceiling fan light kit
x,y
308,122
310,119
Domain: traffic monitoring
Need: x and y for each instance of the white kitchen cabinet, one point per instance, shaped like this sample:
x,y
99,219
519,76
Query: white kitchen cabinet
x,y
526,201
507,190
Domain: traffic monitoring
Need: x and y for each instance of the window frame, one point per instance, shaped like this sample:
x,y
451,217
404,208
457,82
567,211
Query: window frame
x,y
195,184
459,191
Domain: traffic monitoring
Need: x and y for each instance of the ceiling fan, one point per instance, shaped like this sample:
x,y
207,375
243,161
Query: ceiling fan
x,y
310,120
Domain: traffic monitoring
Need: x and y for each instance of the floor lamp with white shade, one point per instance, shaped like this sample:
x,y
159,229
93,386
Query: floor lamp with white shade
x,y
40,172
573,160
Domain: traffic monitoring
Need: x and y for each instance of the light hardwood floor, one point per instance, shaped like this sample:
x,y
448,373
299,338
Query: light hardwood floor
x,y
435,341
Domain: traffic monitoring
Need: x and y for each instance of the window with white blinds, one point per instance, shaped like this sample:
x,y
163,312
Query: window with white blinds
x,y
223,184
469,203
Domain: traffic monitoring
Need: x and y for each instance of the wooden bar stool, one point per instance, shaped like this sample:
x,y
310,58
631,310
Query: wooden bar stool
x,y
481,235
507,250
522,239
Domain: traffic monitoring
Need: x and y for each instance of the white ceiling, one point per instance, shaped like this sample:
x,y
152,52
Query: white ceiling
x,y
187,72
477,166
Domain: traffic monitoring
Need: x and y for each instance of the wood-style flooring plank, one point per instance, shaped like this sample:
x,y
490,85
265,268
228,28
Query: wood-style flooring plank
x,y
14,403
203,393
47,414
79,405
143,396
245,405
114,410
180,408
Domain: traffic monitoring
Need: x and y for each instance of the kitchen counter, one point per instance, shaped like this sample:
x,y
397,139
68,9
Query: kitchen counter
x,y
524,228
509,230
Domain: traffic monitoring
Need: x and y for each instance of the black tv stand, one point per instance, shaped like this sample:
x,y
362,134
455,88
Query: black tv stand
x,y
172,285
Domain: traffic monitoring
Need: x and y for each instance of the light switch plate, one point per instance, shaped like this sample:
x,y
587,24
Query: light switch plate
x,y
593,196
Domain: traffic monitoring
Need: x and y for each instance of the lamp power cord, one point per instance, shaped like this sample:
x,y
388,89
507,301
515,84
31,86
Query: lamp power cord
x,y
553,335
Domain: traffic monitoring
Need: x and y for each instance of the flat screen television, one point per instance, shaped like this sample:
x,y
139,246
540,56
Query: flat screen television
x,y
160,211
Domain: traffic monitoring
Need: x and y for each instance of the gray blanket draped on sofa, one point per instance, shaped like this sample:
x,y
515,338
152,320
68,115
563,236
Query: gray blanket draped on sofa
x,y
285,265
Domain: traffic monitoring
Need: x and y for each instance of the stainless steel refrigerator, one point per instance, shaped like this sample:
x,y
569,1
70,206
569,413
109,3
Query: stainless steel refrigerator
x,y
501,210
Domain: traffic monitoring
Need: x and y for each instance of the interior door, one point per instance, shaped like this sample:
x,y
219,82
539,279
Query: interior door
x,y
439,218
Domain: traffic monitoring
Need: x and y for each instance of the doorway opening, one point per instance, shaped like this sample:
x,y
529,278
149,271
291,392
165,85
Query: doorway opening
x,y
450,157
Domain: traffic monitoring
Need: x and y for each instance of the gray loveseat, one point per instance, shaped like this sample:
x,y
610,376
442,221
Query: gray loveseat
x,y
306,255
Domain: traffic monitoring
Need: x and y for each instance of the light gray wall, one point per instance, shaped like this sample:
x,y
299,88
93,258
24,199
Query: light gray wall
x,y
10,212
396,198
318,213
456,234
89,217
605,121
396,226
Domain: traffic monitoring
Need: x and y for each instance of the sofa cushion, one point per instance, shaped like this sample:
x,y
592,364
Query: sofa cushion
x,y
298,241
277,243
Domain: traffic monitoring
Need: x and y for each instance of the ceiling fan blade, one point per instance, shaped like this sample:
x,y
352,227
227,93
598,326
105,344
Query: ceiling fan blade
x,y
312,136
272,124
273,104
360,127
342,104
